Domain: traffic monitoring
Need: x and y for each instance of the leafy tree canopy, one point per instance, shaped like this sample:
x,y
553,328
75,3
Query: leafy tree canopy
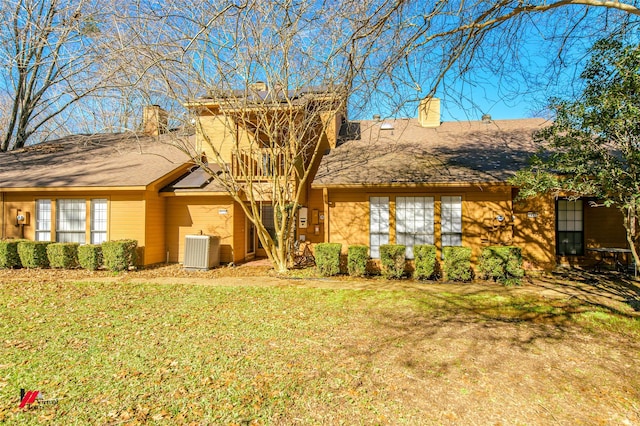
x,y
593,147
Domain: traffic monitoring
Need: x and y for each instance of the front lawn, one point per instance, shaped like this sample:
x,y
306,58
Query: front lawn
x,y
139,353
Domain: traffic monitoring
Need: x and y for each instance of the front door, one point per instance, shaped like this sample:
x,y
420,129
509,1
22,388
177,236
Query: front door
x,y
269,223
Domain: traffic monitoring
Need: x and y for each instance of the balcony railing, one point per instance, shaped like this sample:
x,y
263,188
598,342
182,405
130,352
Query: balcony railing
x,y
257,164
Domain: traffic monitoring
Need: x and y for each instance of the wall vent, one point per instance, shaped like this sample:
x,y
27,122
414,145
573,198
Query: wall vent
x,y
201,252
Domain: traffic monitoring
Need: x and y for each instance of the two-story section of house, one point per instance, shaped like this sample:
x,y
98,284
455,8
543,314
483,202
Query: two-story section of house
x,y
256,148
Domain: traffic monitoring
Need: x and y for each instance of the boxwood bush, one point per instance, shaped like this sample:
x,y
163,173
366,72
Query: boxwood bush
x,y
119,255
502,264
90,256
33,254
357,257
63,255
392,260
457,263
328,258
9,257
425,262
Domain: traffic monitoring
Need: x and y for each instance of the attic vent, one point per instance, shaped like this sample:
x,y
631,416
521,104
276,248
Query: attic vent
x,y
201,252
386,126
486,118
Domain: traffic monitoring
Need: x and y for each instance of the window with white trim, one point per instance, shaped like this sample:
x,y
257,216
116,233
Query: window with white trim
x,y
451,220
414,222
569,228
98,221
378,224
71,221
43,220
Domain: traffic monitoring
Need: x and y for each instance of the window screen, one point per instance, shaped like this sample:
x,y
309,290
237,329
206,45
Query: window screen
x,y
414,222
71,226
451,220
569,228
43,220
98,221
378,224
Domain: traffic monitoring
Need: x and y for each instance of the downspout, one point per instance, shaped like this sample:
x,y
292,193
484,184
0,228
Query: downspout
x,y
325,198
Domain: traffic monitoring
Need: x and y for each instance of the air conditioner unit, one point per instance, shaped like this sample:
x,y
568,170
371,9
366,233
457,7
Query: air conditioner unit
x,y
201,252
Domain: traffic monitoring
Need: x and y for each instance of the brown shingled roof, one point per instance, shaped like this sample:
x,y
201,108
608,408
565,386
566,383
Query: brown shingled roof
x,y
453,153
104,160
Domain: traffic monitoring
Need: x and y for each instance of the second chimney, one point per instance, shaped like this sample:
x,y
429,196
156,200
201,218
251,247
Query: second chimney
x,y
429,112
154,120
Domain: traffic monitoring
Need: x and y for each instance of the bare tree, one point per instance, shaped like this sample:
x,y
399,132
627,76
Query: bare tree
x,y
51,54
320,58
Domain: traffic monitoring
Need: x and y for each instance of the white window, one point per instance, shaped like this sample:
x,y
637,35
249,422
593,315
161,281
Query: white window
x,y
378,224
71,224
414,222
569,228
98,221
451,220
43,220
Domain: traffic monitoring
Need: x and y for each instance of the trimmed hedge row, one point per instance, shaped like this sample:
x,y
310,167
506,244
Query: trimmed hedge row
x,y
457,263
114,255
502,264
328,258
9,257
33,254
63,255
425,262
392,260
357,257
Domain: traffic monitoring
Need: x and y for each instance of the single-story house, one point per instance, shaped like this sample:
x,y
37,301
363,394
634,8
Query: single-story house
x,y
405,181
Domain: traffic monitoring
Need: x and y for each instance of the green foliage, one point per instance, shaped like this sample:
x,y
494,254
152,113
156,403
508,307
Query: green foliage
x,y
592,148
502,264
392,260
33,254
457,263
63,255
425,262
119,255
357,257
9,257
90,256
328,258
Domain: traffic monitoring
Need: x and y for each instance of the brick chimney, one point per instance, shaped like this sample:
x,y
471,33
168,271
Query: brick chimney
x,y
154,120
429,112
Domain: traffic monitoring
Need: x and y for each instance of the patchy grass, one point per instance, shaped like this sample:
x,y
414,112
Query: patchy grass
x,y
132,353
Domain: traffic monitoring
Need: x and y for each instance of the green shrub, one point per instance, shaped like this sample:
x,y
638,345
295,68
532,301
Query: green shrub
x,y
457,263
392,261
357,257
63,255
328,258
119,255
90,256
33,254
502,264
9,257
425,262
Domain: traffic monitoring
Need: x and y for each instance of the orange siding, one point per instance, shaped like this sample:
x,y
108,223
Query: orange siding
x,y
348,220
199,215
127,218
315,223
534,231
220,136
155,250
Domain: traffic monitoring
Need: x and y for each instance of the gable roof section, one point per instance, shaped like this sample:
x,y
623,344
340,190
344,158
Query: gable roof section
x,y
95,161
453,153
